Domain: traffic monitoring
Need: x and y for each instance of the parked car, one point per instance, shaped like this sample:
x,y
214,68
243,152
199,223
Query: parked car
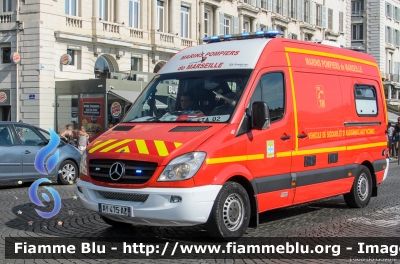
x,y
19,144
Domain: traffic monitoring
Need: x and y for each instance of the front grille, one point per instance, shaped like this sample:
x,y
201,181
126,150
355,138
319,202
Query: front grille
x,y
136,172
130,197
189,128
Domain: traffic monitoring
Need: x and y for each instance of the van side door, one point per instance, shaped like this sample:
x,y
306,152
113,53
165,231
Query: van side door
x,y
272,173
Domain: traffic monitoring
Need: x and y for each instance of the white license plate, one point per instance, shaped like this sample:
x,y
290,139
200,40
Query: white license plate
x,y
115,209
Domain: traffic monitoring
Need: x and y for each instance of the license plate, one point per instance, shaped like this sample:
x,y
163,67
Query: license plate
x,y
115,209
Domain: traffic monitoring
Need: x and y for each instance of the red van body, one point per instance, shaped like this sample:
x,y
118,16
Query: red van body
x,y
323,135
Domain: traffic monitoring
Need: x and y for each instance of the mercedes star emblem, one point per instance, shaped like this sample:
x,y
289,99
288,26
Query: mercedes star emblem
x,y
117,170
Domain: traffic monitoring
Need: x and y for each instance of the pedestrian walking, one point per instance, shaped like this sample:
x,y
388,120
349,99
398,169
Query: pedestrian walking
x,y
397,138
83,139
391,140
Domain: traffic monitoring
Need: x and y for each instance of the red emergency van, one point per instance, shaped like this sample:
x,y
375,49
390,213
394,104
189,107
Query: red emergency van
x,y
239,126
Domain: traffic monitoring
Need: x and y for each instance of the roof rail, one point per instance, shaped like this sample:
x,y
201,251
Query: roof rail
x,y
356,48
245,35
327,42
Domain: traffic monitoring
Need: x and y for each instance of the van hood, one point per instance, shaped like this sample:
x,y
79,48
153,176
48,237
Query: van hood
x,y
153,142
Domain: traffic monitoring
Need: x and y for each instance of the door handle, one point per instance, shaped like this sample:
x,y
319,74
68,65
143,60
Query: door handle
x,y
285,137
302,135
27,152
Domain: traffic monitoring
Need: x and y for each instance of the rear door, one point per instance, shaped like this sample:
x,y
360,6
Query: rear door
x,y
10,155
272,172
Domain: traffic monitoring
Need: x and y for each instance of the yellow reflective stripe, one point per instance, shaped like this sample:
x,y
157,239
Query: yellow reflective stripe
x,y
161,148
125,149
234,158
284,154
96,142
101,145
116,145
142,147
296,127
371,145
329,55
177,144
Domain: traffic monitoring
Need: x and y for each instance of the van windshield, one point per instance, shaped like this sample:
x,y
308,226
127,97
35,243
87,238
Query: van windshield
x,y
196,96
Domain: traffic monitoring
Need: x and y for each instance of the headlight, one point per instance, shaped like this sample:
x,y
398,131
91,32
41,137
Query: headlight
x,y
183,167
83,167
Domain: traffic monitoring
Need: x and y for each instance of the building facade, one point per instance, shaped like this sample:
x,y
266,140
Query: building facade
x,y
375,27
105,37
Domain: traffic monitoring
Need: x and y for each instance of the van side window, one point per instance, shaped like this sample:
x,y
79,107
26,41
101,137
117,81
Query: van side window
x,y
366,101
270,89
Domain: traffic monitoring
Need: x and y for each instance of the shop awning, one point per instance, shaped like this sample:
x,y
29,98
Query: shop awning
x,y
129,96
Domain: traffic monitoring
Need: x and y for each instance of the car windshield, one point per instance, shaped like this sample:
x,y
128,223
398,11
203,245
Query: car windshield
x,y
198,96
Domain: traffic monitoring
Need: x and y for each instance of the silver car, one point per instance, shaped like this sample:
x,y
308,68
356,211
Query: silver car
x,y
19,144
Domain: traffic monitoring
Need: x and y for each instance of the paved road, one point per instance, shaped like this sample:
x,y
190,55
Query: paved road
x,y
326,218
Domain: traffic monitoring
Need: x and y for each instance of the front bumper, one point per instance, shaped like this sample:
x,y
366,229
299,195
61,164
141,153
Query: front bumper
x,y
157,210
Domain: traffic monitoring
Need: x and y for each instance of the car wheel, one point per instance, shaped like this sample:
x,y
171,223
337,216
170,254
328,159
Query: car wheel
x,y
68,172
113,222
230,215
361,190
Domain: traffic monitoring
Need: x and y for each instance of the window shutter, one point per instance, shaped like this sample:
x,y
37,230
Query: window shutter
x,y
235,25
284,10
386,34
393,15
274,6
258,3
298,9
221,24
290,9
386,8
398,38
311,18
269,7
324,17
393,37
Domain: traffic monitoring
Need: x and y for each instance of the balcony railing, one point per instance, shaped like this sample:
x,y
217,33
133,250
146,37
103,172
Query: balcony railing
x,y
74,22
5,18
357,12
136,33
186,42
110,27
164,37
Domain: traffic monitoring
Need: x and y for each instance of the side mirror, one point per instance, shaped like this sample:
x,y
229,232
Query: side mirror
x,y
260,115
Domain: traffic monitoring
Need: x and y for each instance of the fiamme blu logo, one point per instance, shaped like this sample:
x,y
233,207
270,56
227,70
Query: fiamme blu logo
x,y
45,161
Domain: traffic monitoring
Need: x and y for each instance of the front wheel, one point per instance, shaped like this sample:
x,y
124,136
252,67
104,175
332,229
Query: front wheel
x,y
68,173
361,191
230,215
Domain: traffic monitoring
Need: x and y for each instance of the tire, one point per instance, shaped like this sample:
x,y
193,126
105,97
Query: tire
x,y
361,190
224,226
113,222
69,172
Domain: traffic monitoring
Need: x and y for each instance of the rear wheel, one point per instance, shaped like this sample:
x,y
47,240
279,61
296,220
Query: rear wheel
x,y
68,173
113,222
230,215
361,191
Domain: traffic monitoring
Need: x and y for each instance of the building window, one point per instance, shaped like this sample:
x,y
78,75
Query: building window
x,y
75,56
227,24
306,11
319,15
357,31
293,36
71,7
184,22
341,21
246,26
263,28
5,55
330,18
160,16
136,64
396,35
264,4
292,11
134,13
103,9
388,10
6,5
207,20
279,8
388,34
357,7
307,37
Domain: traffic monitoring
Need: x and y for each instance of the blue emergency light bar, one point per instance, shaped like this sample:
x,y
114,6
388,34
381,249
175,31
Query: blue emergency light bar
x,y
244,35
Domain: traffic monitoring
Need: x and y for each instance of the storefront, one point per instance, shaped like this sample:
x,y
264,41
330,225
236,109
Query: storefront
x,y
94,104
5,105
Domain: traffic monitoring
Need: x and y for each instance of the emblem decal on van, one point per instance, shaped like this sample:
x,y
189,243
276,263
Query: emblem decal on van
x,y
320,96
270,149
